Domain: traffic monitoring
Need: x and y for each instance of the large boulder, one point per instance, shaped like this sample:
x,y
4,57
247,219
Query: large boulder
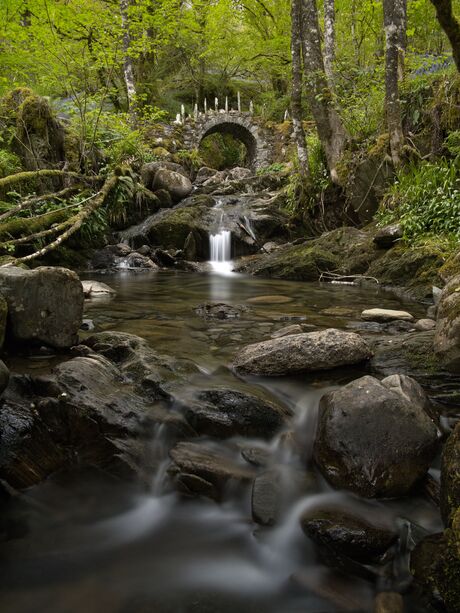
x,y
312,351
175,183
225,412
45,305
149,170
375,437
171,228
447,337
296,262
450,475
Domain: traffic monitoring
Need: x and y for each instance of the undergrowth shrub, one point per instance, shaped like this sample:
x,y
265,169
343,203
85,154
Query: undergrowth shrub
x,y
425,200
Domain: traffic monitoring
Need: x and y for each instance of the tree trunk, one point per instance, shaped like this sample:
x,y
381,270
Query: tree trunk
x,y
331,131
402,43
128,64
450,25
329,39
394,21
296,86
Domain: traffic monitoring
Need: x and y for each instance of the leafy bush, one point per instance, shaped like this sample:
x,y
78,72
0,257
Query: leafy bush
x,y
425,200
9,163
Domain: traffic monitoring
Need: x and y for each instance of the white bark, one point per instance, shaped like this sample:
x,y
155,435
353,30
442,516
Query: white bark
x,y
128,66
329,39
296,87
394,12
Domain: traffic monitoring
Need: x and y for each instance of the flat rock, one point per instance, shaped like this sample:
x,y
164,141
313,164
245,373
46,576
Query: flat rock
x,y
206,466
385,315
312,351
360,534
277,299
96,289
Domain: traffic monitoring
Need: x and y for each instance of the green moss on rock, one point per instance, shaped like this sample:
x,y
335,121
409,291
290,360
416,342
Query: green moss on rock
x,y
3,315
416,269
299,262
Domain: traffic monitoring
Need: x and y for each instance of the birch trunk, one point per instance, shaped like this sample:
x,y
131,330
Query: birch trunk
x,y
329,39
329,125
128,65
296,86
394,23
450,25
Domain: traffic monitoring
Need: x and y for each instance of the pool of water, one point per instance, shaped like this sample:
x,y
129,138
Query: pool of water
x,y
87,542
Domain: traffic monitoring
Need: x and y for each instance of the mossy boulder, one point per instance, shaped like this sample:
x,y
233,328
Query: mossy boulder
x,y
3,315
450,476
170,229
39,138
435,564
415,269
447,337
297,262
354,248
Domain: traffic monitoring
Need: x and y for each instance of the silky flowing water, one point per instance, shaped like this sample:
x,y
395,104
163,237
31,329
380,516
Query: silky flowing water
x,y
89,543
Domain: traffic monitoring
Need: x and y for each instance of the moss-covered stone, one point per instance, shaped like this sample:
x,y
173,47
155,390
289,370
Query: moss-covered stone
x,y
354,248
450,476
39,137
299,262
416,268
435,564
3,314
447,338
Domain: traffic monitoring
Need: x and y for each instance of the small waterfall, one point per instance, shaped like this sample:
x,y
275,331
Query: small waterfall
x,y
220,246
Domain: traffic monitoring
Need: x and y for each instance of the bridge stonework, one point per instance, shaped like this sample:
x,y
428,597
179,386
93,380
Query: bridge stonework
x,y
258,137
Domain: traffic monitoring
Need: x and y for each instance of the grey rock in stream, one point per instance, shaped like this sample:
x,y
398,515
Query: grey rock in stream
x,y
45,305
99,409
201,470
374,437
312,351
173,182
224,412
360,533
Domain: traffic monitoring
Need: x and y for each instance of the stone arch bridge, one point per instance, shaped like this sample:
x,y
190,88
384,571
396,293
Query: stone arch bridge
x,y
258,137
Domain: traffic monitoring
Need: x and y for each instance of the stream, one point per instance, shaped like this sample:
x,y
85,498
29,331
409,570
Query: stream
x,y
87,542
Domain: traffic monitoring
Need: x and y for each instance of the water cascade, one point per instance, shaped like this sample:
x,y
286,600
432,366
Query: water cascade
x,y
220,247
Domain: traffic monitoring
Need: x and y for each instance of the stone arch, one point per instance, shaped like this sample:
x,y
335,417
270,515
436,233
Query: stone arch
x,y
240,125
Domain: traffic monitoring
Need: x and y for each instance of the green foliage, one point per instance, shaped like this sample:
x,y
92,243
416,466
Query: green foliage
x,y
425,200
304,194
191,160
221,151
9,163
267,170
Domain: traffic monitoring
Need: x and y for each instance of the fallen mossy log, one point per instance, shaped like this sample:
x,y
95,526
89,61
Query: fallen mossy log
x,y
70,225
46,173
27,227
30,203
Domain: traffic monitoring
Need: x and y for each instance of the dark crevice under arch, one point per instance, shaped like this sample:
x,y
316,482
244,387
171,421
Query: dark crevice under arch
x,y
240,133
